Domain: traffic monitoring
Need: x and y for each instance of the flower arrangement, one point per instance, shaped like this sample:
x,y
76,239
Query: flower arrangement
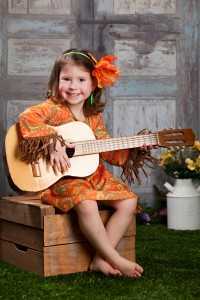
x,y
182,162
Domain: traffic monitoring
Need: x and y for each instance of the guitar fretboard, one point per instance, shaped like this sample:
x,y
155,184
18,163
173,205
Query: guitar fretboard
x,y
110,144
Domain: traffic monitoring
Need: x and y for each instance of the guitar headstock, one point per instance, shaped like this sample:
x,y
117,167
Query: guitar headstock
x,y
176,137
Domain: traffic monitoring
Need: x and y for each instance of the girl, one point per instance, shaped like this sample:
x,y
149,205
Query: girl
x,y
75,88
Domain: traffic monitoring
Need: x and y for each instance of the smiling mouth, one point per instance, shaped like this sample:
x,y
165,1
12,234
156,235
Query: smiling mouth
x,y
73,95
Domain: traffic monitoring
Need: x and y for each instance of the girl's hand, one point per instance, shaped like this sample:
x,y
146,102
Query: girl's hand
x,y
148,147
145,147
58,159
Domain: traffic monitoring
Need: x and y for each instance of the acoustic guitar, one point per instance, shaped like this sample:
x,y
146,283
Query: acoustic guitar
x,y
85,156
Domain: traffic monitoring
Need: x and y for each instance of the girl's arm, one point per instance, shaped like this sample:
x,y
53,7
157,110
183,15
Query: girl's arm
x,y
131,160
36,137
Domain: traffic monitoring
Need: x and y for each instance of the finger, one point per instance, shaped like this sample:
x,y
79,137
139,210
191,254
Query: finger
x,y
54,165
71,145
55,169
67,161
144,147
52,160
57,164
64,166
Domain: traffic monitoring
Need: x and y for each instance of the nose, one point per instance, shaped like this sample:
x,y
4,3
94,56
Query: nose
x,y
73,84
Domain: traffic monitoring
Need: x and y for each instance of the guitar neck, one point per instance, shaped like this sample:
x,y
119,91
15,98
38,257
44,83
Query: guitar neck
x,y
111,144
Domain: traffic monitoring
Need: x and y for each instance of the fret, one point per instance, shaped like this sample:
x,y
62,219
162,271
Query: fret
x,y
98,146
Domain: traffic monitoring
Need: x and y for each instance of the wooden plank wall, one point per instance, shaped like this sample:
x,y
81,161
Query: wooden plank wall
x,y
32,34
157,44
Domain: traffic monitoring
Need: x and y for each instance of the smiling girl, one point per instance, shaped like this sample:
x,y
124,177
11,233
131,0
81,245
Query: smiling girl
x,y
74,94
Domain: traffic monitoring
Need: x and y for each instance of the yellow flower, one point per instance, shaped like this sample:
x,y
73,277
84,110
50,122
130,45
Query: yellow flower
x,y
196,145
198,162
166,156
190,164
182,162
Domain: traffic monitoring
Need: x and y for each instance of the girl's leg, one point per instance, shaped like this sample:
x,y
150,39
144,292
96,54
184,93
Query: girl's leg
x,y
94,230
120,220
116,226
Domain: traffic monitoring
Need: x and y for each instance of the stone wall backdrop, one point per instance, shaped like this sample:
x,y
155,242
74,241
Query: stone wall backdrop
x,y
157,44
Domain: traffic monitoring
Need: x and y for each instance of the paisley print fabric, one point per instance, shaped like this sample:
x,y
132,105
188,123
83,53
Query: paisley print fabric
x,y
36,122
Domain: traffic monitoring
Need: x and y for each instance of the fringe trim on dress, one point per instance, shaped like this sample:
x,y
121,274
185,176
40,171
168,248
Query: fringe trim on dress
x,y
137,161
32,149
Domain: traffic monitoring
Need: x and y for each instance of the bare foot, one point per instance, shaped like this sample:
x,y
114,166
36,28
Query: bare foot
x,y
129,268
100,265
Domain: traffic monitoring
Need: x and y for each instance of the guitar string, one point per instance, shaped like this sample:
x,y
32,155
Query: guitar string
x,y
96,146
125,141
116,142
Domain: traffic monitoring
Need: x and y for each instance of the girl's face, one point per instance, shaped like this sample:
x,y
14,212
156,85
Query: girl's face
x,y
75,84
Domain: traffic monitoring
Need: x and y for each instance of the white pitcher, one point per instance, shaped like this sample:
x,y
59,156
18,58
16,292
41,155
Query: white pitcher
x,y
183,205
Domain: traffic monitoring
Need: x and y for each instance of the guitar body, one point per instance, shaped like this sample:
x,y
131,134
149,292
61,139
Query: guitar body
x,y
22,173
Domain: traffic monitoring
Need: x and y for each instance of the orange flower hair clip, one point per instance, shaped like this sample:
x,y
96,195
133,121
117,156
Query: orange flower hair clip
x,y
105,72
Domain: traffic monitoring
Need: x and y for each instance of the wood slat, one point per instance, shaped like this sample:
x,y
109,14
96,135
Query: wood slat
x,y
26,196
66,259
25,211
21,234
24,258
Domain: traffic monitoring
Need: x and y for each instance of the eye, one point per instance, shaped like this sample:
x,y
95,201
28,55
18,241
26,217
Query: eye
x,y
66,78
82,79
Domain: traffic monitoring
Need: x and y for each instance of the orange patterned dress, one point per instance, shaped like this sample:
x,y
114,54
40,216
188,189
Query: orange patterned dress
x,y
67,192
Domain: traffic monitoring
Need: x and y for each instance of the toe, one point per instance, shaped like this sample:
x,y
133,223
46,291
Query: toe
x,y
139,269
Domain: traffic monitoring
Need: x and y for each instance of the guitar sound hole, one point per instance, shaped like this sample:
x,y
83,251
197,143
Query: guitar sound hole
x,y
70,152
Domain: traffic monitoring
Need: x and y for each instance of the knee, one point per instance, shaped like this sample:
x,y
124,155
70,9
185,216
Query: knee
x,y
129,206
86,207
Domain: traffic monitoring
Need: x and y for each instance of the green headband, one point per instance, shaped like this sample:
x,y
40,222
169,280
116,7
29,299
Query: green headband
x,y
92,59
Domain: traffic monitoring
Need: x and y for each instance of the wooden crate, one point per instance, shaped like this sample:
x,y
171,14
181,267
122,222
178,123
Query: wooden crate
x,y
36,238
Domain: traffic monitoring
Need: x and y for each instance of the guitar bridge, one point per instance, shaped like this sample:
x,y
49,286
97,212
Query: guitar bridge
x,y
36,169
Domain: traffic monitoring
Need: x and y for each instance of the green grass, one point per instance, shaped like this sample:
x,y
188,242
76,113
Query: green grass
x,y
171,260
